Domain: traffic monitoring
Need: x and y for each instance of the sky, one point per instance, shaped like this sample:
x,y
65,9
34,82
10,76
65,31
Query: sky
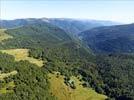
x,y
114,10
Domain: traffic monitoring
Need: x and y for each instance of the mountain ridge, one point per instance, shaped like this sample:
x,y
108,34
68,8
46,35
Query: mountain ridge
x,y
70,25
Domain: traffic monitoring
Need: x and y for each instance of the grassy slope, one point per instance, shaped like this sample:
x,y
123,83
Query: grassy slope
x,y
59,89
4,75
64,92
4,89
3,35
22,54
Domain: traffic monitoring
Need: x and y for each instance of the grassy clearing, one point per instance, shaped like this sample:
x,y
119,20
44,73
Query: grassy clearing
x,y
4,75
3,35
64,92
22,54
6,87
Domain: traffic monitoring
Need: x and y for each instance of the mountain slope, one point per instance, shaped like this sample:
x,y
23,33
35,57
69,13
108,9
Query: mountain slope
x,y
72,26
61,53
48,43
75,26
18,22
34,34
117,72
112,39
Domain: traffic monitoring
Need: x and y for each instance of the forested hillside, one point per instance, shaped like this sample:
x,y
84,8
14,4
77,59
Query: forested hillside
x,y
112,39
106,74
46,42
117,73
70,25
30,81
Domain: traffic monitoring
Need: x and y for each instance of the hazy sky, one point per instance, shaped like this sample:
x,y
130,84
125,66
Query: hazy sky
x,y
116,10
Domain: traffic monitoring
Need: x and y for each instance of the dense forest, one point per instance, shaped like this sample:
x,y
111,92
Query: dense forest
x,y
110,39
117,74
28,81
109,74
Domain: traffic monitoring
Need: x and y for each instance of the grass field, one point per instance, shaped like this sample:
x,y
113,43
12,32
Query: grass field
x,y
22,54
64,92
4,75
6,87
3,35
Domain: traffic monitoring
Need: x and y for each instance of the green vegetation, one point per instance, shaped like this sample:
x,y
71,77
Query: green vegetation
x,y
117,73
4,75
112,39
109,75
29,83
64,92
6,87
22,54
3,35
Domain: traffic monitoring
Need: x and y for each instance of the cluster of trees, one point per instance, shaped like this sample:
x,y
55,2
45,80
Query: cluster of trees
x,y
108,74
69,82
117,73
31,82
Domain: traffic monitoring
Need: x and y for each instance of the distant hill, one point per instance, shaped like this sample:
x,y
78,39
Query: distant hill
x,y
18,22
72,26
111,39
76,26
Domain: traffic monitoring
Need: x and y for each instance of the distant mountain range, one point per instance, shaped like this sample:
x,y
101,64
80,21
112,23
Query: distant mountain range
x,y
75,26
72,26
110,39
100,36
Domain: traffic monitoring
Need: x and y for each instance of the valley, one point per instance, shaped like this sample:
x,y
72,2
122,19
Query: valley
x,y
66,49
43,61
